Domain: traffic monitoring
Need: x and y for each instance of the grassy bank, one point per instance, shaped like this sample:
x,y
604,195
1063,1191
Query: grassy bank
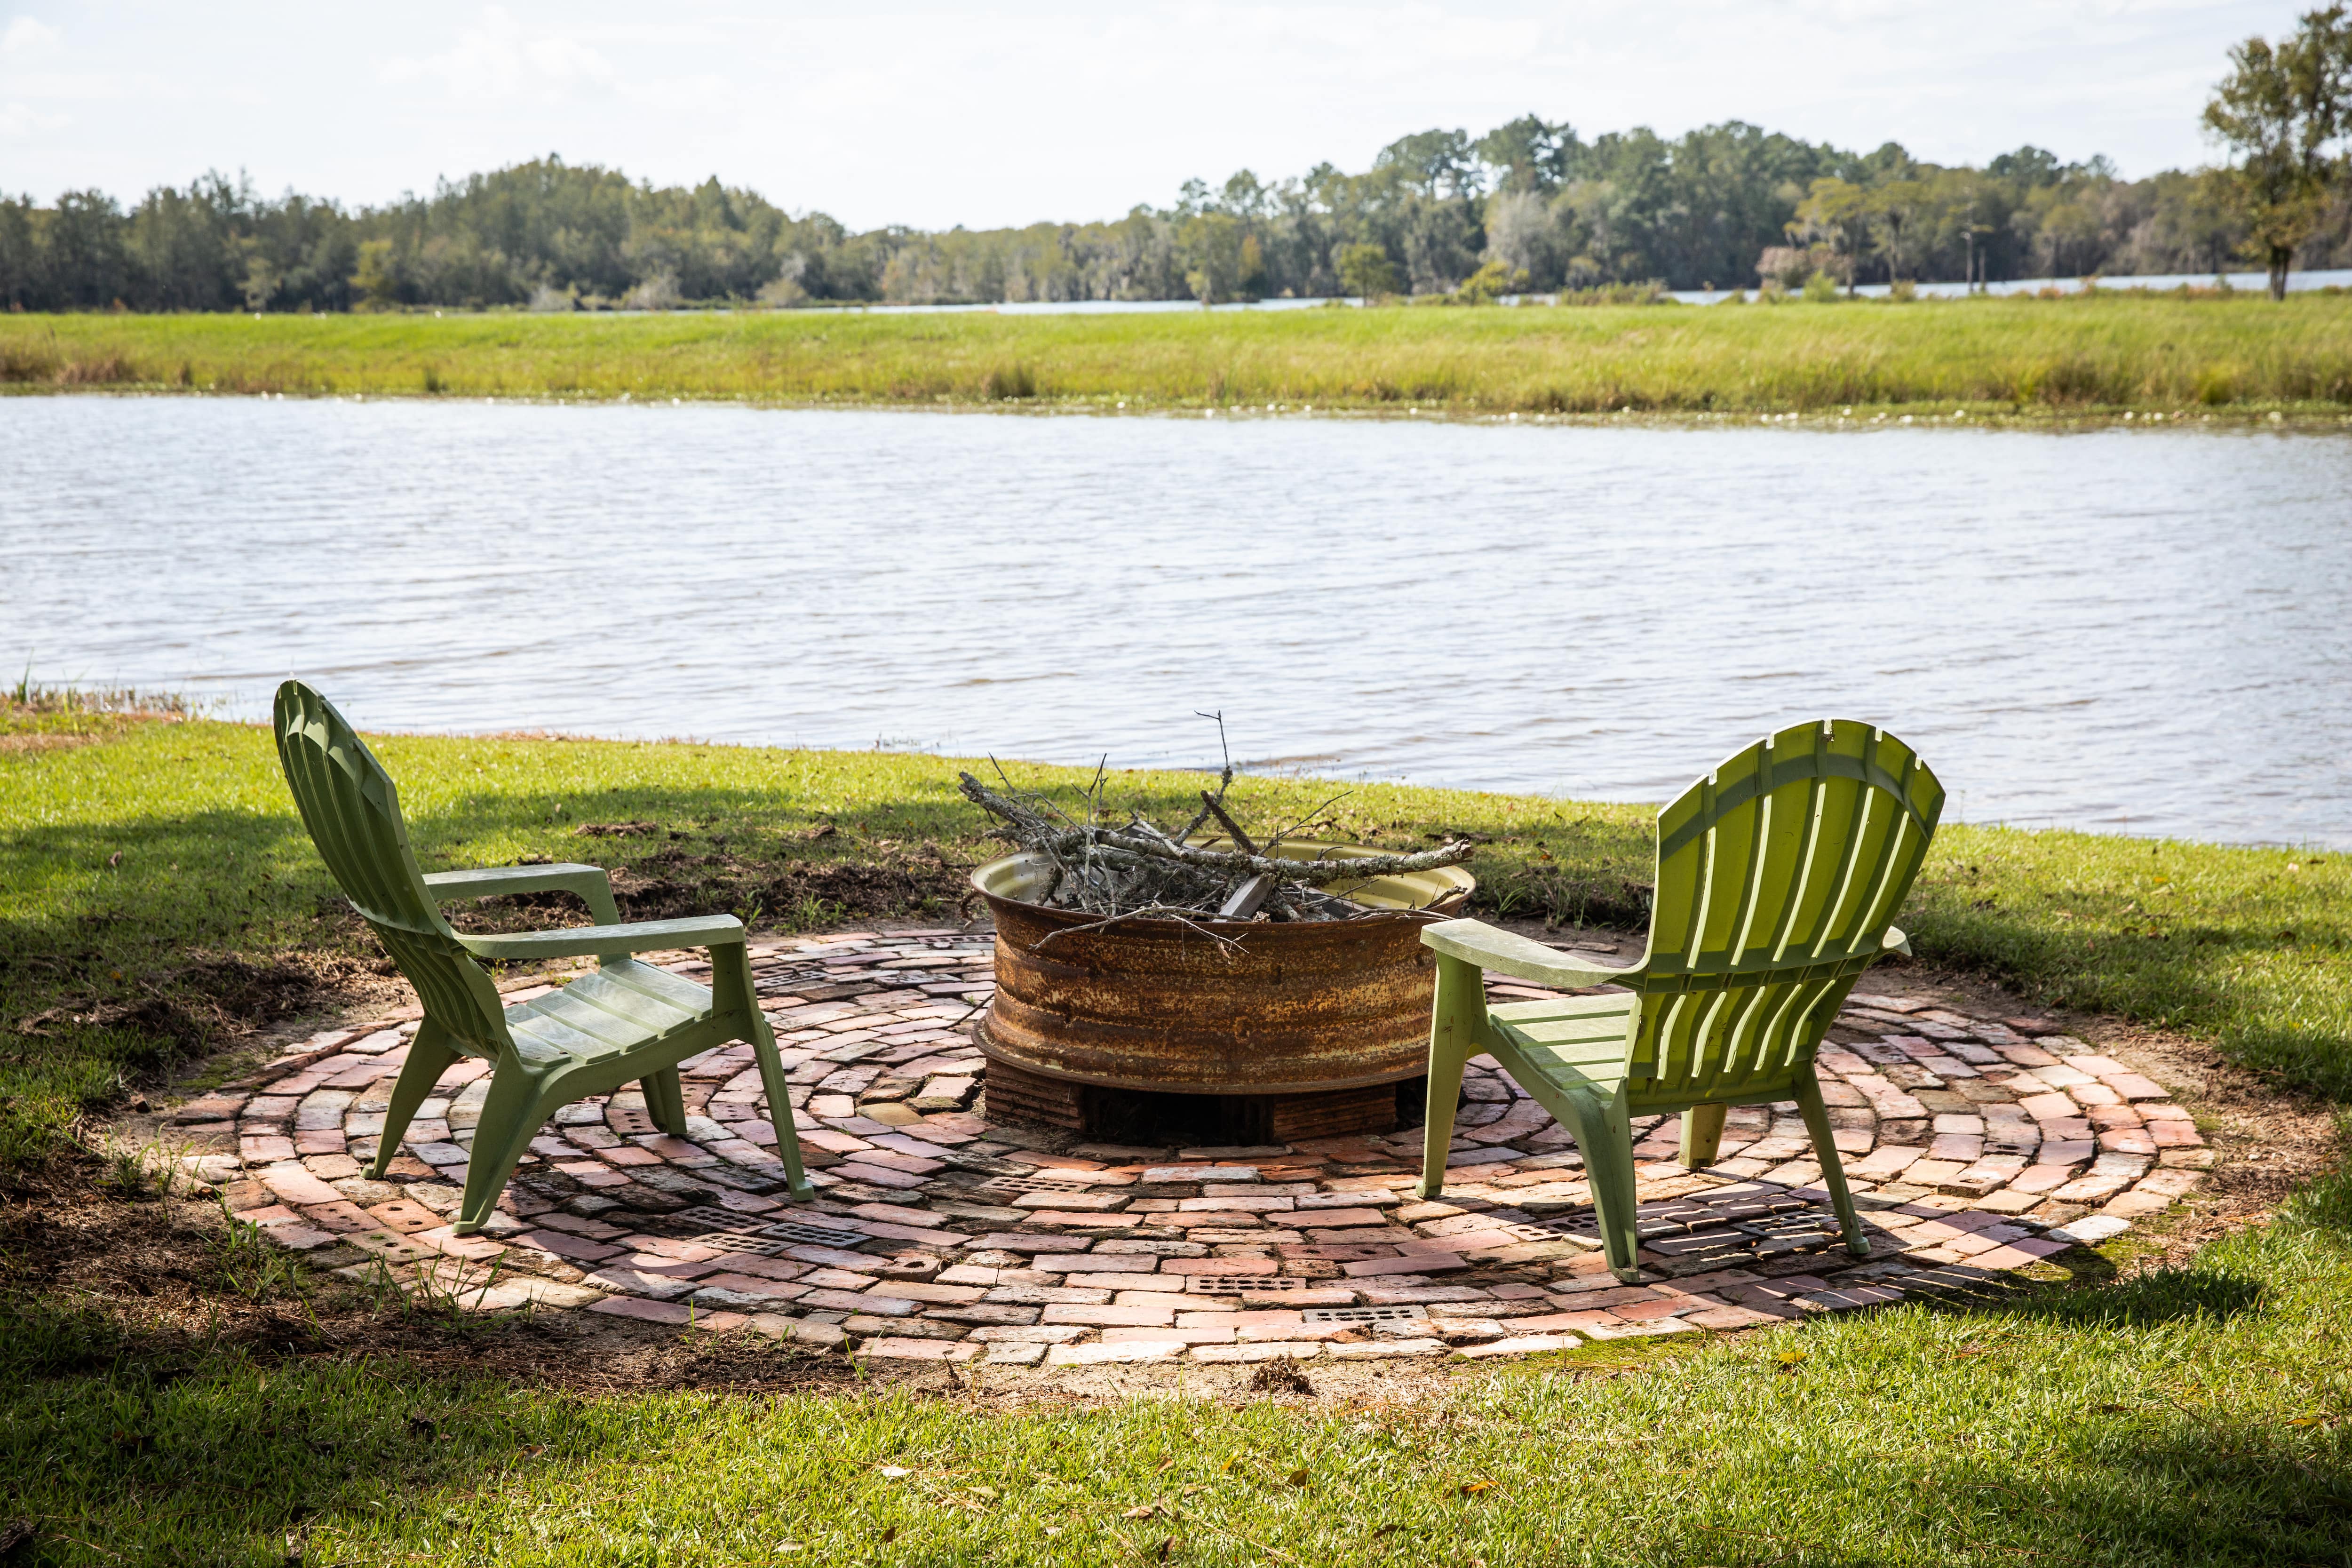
x,y
157,893
2005,357
2200,1416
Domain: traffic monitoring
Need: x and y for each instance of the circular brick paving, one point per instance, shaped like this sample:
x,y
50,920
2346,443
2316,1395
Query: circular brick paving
x,y
1976,1145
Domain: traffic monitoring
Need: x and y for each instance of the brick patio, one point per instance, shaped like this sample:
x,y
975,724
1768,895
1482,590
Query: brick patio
x,y
1977,1146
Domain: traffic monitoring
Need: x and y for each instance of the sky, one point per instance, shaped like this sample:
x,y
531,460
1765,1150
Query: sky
x,y
936,115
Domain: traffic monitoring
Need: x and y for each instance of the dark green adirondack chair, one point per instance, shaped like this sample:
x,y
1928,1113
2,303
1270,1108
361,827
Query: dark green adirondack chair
x,y
1778,880
626,1021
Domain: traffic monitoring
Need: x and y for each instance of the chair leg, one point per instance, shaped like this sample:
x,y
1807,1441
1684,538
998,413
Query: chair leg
x,y
510,1118
1604,1135
429,1056
1702,1135
730,975
1817,1123
666,1100
780,1110
1459,1008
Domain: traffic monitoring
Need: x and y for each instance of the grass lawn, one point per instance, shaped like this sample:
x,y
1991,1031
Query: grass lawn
x,y
2238,357
2197,1415
157,893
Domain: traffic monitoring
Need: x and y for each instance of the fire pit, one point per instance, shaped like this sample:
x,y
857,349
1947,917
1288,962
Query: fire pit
x,y
1232,1031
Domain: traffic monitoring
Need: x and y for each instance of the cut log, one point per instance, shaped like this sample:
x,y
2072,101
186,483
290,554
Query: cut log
x,y
1247,898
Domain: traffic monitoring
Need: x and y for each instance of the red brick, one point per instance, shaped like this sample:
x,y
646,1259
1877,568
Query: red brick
x,y
295,1185
641,1309
1112,1317
1083,1221
1215,1266
924,1290
343,1218
918,1349
1332,1219
1411,1263
561,1244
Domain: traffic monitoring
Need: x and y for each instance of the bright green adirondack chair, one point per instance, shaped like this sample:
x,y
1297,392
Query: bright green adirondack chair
x,y
627,1020
1778,879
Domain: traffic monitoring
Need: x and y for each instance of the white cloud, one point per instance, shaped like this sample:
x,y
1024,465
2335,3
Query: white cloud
x,y
27,34
20,120
496,58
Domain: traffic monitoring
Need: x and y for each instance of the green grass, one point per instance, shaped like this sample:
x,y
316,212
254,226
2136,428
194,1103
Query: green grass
x,y
1995,357
2195,1416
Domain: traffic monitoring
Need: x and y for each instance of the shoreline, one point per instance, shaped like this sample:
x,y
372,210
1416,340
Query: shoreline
x,y
2321,420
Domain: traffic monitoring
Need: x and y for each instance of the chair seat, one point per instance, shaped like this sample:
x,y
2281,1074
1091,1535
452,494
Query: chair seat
x,y
1579,1043
1575,1042
620,1009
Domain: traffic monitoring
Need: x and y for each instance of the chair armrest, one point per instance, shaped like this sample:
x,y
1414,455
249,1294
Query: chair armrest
x,y
593,884
580,941
1895,942
1500,950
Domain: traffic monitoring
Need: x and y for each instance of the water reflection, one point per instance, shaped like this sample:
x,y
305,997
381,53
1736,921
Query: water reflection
x,y
2142,632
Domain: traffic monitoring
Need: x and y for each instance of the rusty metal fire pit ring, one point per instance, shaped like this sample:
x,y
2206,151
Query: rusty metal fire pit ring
x,y
1154,1005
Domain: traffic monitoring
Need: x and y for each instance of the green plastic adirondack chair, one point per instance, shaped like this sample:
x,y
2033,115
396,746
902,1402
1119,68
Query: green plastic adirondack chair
x,y
1778,880
627,1020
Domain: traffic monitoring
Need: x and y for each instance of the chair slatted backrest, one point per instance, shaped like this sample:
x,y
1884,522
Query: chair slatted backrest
x,y
352,811
1778,875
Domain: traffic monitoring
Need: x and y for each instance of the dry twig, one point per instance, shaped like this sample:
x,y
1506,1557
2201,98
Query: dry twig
x,y
1138,869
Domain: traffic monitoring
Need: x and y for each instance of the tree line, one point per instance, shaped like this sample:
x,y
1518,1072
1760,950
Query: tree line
x,y
1528,206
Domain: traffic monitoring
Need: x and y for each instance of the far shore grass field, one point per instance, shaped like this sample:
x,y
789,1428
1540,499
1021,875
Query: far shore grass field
x,y
2107,353
157,893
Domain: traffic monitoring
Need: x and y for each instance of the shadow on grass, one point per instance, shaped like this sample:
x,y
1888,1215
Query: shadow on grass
x,y
2085,1288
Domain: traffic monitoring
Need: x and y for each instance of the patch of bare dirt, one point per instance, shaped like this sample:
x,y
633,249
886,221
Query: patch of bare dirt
x,y
218,997
157,1270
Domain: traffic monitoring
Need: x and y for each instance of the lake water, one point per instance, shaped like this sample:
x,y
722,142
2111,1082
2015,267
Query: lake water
x,y
2142,632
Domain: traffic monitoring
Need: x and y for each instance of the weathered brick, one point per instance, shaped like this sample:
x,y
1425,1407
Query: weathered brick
x,y
916,1350
1098,1353
1280,1350
1113,1316
925,1291
1523,1344
1381,1349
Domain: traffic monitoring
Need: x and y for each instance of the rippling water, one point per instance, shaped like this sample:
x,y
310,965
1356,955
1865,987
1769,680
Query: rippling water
x,y
2139,632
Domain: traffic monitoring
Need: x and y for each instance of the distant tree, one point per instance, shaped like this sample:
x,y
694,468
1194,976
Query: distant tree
x,y
1489,283
1432,162
2028,165
1366,272
1890,211
22,284
1835,213
377,280
1220,255
2282,111
1529,154
89,264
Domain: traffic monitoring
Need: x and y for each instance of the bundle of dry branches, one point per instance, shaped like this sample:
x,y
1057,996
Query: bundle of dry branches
x,y
1141,868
